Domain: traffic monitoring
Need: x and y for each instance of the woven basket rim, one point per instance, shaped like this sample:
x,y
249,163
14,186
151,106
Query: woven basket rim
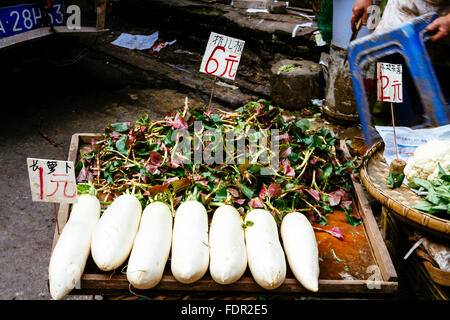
x,y
440,225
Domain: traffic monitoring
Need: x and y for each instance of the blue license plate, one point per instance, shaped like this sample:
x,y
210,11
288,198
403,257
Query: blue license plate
x,y
26,17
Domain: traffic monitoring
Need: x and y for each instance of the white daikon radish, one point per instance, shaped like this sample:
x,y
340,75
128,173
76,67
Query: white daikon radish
x,y
190,251
227,251
71,252
114,234
151,247
301,250
265,254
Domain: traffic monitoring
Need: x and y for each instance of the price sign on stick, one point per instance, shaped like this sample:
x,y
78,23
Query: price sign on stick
x,y
389,82
390,88
52,181
222,56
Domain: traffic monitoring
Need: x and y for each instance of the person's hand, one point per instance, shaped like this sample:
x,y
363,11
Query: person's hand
x,y
442,26
360,9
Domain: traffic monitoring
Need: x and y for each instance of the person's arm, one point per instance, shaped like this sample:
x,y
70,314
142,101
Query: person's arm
x,y
360,9
442,26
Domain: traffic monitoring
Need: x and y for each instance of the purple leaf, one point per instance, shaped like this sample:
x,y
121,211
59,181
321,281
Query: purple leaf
x,y
167,181
256,203
115,135
346,204
311,216
313,193
84,175
156,159
288,170
286,152
337,233
263,192
274,190
313,160
208,113
233,192
282,136
151,168
179,122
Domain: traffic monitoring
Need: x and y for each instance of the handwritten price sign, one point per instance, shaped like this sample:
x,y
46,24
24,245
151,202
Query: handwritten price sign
x,y
389,82
52,181
222,56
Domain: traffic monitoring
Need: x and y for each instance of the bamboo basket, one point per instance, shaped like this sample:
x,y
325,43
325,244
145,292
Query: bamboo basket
x,y
374,173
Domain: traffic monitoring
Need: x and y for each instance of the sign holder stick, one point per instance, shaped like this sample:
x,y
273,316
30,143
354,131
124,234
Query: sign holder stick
x,y
393,126
56,217
212,93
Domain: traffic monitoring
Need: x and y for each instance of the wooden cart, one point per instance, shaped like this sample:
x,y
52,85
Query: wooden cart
x,y
358,266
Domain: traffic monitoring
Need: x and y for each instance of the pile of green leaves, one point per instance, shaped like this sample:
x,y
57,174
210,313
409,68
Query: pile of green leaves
x,y
313,176
437,201
285,68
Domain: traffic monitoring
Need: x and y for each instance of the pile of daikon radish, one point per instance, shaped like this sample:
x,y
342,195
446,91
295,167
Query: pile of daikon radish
x,y
146,238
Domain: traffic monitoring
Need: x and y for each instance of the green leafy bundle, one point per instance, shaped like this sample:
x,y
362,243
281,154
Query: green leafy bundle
x,y
437,201
311,174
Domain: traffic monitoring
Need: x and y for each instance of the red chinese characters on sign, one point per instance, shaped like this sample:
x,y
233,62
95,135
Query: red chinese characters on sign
x,y
389,79
52,181
222,56
63,179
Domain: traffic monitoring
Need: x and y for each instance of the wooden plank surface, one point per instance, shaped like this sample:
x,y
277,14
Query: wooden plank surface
x,y
375,238
245,284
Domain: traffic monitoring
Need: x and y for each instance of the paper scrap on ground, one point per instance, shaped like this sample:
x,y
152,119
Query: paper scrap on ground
x,y
159,46
226,85
409,139
257,10
307,16
317,102
302,25
319,39
136,42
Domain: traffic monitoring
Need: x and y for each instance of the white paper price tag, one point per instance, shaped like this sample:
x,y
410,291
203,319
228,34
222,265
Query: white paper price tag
x,y
389,82
222,56
52,181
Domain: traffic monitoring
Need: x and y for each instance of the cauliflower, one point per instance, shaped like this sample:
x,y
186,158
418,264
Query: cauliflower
x,y
424,163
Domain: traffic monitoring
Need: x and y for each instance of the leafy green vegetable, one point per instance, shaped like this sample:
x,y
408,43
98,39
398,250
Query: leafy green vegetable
x,y
437,201
248,223
121,145
303,124
420,183
442,174
247,191
120,126
285,68
423,206
221,194
395,180
86,188
352,220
